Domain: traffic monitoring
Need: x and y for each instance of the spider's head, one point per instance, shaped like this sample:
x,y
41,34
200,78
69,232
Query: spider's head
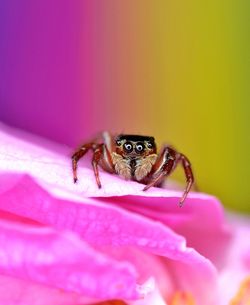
x,y
134,146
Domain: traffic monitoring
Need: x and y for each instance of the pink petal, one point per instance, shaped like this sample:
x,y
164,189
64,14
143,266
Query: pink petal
x,y
15,291
201,220
44,256
100,224
147,265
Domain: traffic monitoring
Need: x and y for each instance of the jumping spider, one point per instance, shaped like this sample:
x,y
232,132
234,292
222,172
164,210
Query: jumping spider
x,y
134,157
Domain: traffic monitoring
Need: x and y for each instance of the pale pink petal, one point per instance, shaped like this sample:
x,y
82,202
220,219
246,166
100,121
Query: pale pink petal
x,y
239,254
191,280
44,256
51,163
237,259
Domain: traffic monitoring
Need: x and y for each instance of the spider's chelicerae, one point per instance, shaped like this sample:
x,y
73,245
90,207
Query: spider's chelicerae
x,y
134,157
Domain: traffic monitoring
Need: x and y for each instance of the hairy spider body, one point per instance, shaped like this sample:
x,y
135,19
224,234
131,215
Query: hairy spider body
x,y
134,157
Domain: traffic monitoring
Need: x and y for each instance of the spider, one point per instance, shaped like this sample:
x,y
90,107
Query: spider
x,y
134,157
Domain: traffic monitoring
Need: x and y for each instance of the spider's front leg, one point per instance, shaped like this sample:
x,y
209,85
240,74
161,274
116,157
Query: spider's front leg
x,y
97,148
164,166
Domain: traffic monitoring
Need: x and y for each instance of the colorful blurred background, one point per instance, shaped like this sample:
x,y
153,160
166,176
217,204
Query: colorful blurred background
x,y
177,70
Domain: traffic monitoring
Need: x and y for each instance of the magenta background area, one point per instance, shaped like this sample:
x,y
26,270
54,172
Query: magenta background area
x,y
43,85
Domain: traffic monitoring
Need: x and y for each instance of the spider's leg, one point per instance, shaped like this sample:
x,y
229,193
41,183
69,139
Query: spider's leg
x,y
189,176
166,164
78,155
163,166
98,152
108,148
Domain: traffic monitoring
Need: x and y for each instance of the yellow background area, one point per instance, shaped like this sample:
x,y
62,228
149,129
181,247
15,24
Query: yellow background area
x,y
203,94
182,73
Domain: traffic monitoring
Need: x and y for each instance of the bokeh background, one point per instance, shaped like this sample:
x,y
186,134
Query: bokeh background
x,y
177,70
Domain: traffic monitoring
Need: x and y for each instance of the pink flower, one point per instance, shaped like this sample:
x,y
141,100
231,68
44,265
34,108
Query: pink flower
x,y
62,243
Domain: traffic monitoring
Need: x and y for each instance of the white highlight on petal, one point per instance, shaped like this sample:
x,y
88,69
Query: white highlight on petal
x,y
147,287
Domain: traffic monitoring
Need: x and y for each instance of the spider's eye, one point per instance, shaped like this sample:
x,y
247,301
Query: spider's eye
x,y
150,144
118,142
128,147
139,147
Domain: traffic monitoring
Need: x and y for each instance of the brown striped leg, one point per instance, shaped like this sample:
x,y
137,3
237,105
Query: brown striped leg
x,y
163,167
189,176
96,158
78,155
166,164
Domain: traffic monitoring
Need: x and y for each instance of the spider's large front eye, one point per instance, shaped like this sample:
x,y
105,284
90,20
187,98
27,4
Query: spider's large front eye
x,y
128,147
139,147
